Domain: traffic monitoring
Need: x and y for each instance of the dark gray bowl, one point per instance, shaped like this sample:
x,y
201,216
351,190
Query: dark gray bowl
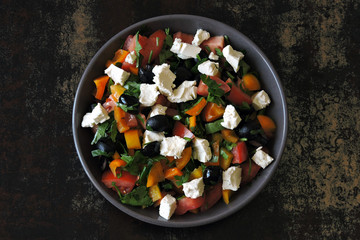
x,y
189,24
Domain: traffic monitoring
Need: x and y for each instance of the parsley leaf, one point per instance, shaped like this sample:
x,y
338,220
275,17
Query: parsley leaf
x,y
182,179
113,131
126,108
132,88
244,67
98,152
228,145
219,52
164,55
137,197
100,132
215,92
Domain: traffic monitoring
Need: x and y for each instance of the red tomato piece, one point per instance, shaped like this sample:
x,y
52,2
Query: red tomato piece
x,y
126,66
212,197
237,96
240,153
125,183
152,46
245,175
214,42
162,100
142,123
186,38
182,131
127,42
185,204
109,104
203,88
131,120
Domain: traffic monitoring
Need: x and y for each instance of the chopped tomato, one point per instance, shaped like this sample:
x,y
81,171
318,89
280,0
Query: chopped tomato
x,y
162,100
154,44
127,42
109,104
142,41
186,38
131,120
182,131
240,153
125,183
186,204
143,122
214,42
245,175
203,88
212,196
237,96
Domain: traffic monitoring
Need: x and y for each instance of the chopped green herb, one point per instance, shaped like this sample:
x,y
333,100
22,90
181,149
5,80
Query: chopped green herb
x,y
228,145
243,67
208,49
187,139
157,41
167,31
215,92
177,117
118,64
138,116
182,179
150,56
227,41
98,152
244,106
164,55
256,131
214,159
127,108
132,88
110,83
167,186
100,132
223,154
198,57
243,139
230,75
137,197
113,131
214,127
249,166
219,52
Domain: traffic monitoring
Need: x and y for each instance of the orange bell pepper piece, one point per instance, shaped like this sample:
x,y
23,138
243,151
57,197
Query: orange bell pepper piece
x,y
196,110
116,155
196,173
119,116
120,56
134,70
267,124
212,111
116,91
115,164
185,158
155,193
192,122
226,194
226,160
250,82
172,172
100,83
132,139
229,135
156,175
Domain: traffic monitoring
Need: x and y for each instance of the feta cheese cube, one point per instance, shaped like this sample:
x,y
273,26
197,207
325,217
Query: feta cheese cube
x,y
231,178
201,150
98,115
194,188
261,158
172,146
185,92
131,57
233,57
231,118
200,36
151,136
213,56
184,50
260,100
209,68
148,94
157,110
167,206
117,74
164,78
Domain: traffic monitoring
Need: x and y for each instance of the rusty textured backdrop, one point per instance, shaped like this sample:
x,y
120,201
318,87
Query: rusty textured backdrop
x,y
46,45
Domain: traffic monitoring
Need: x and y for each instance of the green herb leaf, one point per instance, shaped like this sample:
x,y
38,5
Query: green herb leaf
x,y
164,55
249,166
214,159
134,162
208,49
230,75
228,145
243,139
187,139
214,127
227,41
243,67
137,197
182,179
157,41
244,106
138,47
219,52
177,117
127,108
138,116
223,154
150,56
132,88
215,92
256,131
113,131
98,152
100,132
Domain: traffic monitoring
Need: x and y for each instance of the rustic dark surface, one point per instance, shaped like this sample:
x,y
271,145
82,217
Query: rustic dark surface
x,y
46,45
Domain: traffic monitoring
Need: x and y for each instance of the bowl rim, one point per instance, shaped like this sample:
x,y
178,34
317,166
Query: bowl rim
x,y
196,222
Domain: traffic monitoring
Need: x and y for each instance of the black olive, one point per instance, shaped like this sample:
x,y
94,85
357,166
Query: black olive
x,y
105,147
197,78
92,106
248,130
259,139
130,101
158,123
151,150
212,175
145,74
146,110
182,74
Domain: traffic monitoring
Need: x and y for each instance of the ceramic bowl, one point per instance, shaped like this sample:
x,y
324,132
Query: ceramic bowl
x,y
188,24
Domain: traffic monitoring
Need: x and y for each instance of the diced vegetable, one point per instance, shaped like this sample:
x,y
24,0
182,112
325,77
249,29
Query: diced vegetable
x,y
249,169
214,127
226,194
100,83
182,131
237,96
197,108
250,82
155,193
185,204
192,122
196,173
212,111
172,172
212,196
240,153
132,139
119,116
203,88
125,183
115,164
213,43
267,124
156,175
185,158
225,158
229,135
186,38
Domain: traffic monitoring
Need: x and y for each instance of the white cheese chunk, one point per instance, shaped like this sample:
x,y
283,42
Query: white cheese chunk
x,y
200,36
151,136
117,74
131,57
185,92
231,118
194,188
184,50
260,100
233,57
157,110
231,178
261,158
209,68
172,146
148,94
167,206
164,78
201,150
98,115
213,56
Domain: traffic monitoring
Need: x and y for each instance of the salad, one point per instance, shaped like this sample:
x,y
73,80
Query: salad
x,y
179,121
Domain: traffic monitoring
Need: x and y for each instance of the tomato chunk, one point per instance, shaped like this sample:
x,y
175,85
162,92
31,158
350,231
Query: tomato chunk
x,y
128,42
240,153
214,42
245,175
186,204
125,183
203,88
154,44
212,197
237,96
186,38
182,131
